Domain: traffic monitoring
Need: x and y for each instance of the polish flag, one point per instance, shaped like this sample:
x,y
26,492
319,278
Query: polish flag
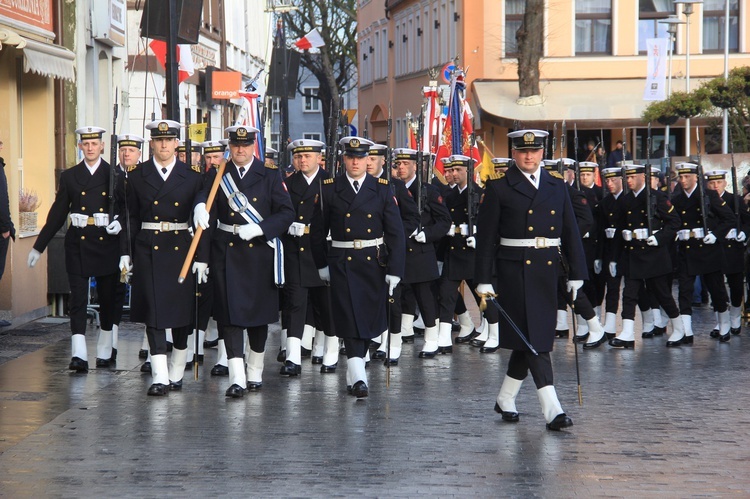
x,y
311,40
186,68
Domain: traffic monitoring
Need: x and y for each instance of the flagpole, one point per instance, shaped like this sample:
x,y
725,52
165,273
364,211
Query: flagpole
x,y
171,67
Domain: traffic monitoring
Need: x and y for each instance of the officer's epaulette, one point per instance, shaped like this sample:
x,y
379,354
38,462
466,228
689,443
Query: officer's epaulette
x,y
496,176
196,168
328,181
382,181
133,167
271,166
556,174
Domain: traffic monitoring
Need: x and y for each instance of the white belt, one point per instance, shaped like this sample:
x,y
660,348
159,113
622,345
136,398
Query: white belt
x,y
536,242
164,226
357,243
231,228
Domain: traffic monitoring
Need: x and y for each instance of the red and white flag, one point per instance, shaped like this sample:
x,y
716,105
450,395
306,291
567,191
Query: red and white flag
x,y
186,68
312,40
249,115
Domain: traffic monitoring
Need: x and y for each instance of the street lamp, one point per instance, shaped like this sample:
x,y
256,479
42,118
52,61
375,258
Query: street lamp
x,y
672,23
687,9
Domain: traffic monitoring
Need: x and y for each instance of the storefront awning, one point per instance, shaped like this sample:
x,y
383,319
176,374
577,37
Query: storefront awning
x,y
48,60
588,103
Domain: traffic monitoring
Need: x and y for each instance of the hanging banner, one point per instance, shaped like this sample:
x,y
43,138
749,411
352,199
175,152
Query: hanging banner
x,y
656,75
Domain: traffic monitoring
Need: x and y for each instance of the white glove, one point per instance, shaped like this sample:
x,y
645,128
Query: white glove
x,y
483,289
731,235
573,287
613,269
114,228
652,241
125,264
201,218
296,229
451,231
249,231
710,238
464,228
325,274
421,237
392,281
33,257
471,242
416,231
201,270
440,267
741,237
597,266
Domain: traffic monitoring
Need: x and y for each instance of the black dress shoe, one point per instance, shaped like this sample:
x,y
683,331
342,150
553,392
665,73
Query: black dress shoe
x,y
374,345
594,344
104,362
143,354
146,367
477,343
445,350
379,355
290,369
735,330
658,331
114,355
175,386
305,353
466,339
210,343
359,389
455,326
609,336
561,421
580,339
391,362
675,343
618,343
485,349
342,351
427,355
4,323
714,333
317,360
78,365
511,417
219,370
281,356
562,333
647,334
724,338
158,390
324,369
254,386
688,340
407,339
235,391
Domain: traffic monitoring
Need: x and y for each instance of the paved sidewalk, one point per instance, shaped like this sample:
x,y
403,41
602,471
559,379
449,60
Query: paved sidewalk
x,y
655,421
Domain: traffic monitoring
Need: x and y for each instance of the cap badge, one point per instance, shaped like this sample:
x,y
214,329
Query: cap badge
x,y
163,126
241,132
354,143
529,137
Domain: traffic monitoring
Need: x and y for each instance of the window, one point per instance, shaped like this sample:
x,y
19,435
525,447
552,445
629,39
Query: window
x,y
593,27
312,103
514,11
650,13
714,25
275,141
311,136
275,104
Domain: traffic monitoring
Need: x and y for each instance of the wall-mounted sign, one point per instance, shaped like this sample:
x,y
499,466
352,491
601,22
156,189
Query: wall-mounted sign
x,y
33,12
225,85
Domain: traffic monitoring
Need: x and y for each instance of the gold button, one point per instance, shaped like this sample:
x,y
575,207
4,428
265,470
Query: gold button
x,y
83,237
369,258
611,214
83,208
369,230
176,232
176,203
369,215
463,247
83,193
177,248
255,199
528,262
250,245
348,215
552,228
349,258
231,244
531,229
301,218
630,212
231,214
348,229
156,247
641,224
683,212
531,212
451,248
156,232
101,209
552,212
156,202
156,218
104,193
684,223
642,212
101,238
413,250
452,210
549,262
301,202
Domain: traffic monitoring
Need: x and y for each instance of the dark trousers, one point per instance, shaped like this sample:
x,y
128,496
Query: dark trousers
x,y
319,309
120,292
736,288
306,306
205,304
522,362
423,293
234,339
714,282
356,347
612,298
659,286
79,291
394,308
157,339
4,242
460,305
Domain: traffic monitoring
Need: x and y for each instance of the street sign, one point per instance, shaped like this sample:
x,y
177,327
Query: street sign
x,y
445,73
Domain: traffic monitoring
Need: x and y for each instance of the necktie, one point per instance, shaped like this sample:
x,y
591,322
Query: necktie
x,y
356,186
164,170
242,171
533,179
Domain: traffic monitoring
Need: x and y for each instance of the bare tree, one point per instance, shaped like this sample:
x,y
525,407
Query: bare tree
x,y
334,64
530,38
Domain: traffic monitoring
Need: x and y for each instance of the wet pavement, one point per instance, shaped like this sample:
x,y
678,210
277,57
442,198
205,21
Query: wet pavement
x,y
672,422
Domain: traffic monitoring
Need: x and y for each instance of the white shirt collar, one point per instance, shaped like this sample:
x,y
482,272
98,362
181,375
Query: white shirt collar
x,y
246,168
534,182
92,169
408,184
312,177
636,193
169,167
360,180
688,194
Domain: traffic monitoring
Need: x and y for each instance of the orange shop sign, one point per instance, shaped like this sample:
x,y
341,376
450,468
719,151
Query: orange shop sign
x,y
226,84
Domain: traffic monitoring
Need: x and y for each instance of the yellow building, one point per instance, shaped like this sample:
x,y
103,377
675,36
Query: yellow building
x,y
592,72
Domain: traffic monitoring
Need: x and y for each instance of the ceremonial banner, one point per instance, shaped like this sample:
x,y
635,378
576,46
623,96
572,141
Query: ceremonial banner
x,y
249,115
456,136
656,74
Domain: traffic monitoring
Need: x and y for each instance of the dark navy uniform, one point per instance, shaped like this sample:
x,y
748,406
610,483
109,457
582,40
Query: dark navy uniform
x,y
610,211
734,258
